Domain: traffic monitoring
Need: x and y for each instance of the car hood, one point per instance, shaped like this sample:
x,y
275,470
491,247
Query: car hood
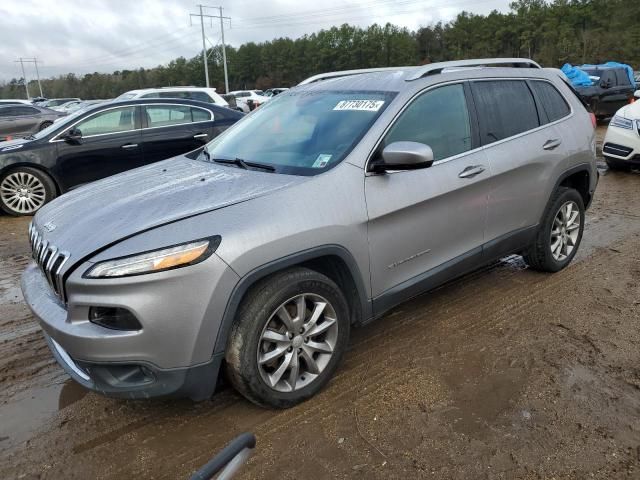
x,y
102,213
631,111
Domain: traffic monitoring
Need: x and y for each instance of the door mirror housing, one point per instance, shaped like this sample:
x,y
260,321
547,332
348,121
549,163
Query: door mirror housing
x,y
605,84
637,94
73,136
404,156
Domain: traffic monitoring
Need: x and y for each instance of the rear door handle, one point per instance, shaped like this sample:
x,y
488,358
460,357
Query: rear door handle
x,y
551,144
130,145
201,135
471,171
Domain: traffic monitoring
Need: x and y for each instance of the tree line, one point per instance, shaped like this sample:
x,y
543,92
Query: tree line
x,y
551,32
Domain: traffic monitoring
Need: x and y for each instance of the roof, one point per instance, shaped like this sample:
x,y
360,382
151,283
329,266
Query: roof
x,y
165,89
392,78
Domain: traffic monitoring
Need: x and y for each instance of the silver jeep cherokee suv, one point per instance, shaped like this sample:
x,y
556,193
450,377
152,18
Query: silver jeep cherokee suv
x,y
324,208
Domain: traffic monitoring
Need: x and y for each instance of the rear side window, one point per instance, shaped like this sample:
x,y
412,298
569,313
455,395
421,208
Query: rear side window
x,y
438,118
553,103
111,121
200,115
505,107
25,111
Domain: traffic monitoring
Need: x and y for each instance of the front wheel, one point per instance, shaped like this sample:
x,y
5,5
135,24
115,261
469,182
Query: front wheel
x,y
560,233
24,190
288,339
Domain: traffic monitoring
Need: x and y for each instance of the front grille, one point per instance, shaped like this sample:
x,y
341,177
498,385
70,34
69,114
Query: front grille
x,y
615,149
50,260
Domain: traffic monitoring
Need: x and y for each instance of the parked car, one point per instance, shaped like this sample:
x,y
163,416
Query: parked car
x,y
14,101
231,101
248,100
207,95
611,90
55,102
272,92
20,120
621,147
320,210
82,105
102,140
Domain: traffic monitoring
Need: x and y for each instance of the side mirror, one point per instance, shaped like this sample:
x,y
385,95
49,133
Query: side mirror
x,y
73,136
404,156
637,94
605,84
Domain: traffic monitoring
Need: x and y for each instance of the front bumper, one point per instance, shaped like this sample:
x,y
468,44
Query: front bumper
x,y
622,146
172,354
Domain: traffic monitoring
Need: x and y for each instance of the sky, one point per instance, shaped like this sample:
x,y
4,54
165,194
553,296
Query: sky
x,y
109,35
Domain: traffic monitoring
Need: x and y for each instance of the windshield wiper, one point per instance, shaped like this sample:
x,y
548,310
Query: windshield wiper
x,y
244,164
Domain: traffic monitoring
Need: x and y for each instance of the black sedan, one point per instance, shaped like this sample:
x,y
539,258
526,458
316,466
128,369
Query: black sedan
x,y
101,141
16,121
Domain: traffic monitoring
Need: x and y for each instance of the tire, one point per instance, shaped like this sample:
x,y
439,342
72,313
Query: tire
x,y
540,255
24,190
260,382
44,125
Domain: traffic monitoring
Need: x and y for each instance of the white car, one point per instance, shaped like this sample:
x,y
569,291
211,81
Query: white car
x,y
201,94
621,148
14,101
247,100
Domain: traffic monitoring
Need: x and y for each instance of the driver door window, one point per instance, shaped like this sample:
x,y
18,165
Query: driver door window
x,y
111,121
438,118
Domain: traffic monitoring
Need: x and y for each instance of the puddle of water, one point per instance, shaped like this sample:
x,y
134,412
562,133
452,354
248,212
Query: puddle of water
x,y
29,411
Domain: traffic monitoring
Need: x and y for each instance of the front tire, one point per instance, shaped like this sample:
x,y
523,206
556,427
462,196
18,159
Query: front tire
x,y
560,233
24,190
290,334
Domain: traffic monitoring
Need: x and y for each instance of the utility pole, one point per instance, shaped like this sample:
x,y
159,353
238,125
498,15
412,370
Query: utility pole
x,y
24,77
35,62
202,16
224,53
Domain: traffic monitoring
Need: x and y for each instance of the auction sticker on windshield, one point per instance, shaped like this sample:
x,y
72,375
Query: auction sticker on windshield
x,y
321,161
362,105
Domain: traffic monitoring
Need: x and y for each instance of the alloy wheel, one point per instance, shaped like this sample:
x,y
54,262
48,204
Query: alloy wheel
x,y
565,231
297,342
22,192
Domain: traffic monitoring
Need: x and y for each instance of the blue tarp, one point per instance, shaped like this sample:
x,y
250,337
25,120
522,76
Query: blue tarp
x,y
577,77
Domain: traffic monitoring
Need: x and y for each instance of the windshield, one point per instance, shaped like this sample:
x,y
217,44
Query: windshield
x,y
302,133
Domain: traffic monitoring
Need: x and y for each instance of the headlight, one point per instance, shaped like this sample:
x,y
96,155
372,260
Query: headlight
x,y
621,122
155,261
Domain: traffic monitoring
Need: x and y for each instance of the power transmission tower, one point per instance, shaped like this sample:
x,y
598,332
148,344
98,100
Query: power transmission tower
x,y
202,16
35,62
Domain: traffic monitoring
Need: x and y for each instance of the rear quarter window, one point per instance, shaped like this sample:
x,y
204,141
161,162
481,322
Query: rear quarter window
x,y
552,101
505,108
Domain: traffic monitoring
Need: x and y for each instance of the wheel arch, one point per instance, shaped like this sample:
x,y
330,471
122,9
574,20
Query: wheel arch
x,y
334,261
578,178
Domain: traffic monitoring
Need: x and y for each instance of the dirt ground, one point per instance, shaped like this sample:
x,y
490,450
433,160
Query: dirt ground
x,y
506,373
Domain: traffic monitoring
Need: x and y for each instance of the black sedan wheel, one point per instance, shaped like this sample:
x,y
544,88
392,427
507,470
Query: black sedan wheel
x,y
24,190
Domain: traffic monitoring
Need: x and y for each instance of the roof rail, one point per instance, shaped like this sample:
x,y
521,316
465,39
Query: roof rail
x,y
346,73
435,68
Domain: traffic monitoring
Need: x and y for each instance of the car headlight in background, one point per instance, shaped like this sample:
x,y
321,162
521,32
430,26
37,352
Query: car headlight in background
x,y
156,261
622,122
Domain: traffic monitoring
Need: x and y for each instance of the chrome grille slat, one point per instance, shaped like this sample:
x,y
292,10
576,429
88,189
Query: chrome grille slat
x,y
50,260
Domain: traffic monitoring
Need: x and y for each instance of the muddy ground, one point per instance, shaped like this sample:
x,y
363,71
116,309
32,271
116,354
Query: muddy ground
x,y
506,373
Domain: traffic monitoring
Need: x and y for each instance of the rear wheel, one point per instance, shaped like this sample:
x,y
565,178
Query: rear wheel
x,y
560,234
288,339
25,190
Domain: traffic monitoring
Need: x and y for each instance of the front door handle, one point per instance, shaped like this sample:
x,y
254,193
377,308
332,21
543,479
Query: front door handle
x,y
201,135
551,144
471,171
129,145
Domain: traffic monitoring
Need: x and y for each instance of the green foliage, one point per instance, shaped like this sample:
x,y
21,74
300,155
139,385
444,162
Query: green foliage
x,y
551,32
